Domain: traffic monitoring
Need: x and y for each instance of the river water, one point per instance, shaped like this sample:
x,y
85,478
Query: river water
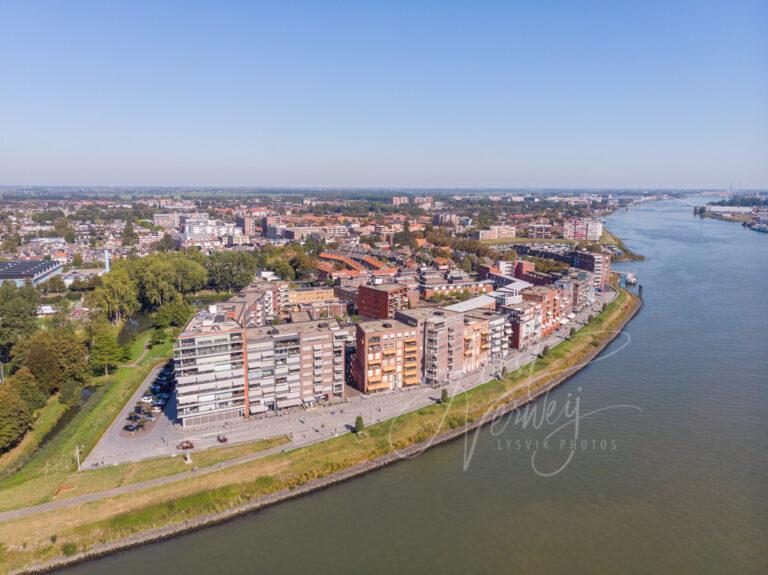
x,y
667,476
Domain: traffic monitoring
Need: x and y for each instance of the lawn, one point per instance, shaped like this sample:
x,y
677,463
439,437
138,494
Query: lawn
x,y
59,486
28,539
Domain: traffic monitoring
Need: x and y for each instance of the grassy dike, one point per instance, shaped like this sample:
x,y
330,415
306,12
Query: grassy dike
x,y
609,238
64,536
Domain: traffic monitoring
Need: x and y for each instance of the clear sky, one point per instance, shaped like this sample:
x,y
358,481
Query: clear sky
x,y
412,93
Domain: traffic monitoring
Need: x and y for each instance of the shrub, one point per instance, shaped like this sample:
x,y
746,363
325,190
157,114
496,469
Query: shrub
x,y
69,549
444,396
359,425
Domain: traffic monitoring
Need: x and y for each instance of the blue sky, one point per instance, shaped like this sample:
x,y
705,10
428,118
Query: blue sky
x,y
415,93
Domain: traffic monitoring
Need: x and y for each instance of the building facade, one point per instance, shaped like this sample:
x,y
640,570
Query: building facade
x,y
381,301
387,356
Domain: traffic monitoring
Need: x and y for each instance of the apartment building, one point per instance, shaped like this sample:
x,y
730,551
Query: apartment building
x,y
381,301
293,297
502,232
295,364
598,264
499,331
249,225
437,282
539,231
387,356
582,229
580,284
226,370
549,301
525,319
440,333
209,365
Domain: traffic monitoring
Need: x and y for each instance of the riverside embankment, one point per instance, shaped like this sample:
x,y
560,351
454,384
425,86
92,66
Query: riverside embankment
x,y
402,438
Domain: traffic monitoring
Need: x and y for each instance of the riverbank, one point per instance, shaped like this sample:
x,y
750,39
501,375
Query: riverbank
x,y
36,543
610,239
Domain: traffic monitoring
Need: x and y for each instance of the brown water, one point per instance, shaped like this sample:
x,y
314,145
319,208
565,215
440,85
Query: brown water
x,y
673,483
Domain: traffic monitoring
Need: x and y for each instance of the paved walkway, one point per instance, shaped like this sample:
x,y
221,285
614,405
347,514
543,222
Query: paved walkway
x,y
132,487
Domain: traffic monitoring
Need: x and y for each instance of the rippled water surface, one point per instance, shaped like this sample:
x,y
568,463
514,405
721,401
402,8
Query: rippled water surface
x,y
670,475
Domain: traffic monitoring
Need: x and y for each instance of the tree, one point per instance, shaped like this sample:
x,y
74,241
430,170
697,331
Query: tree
x,y
15,417
106,353
77,260
444,396
188,275
54,285
18,311
117,296
28,388
154,278
57,359
504,371
166,244
230,271
129,236
174,314
359,425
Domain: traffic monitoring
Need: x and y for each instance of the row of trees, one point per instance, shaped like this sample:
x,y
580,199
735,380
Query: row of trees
x,y
38,361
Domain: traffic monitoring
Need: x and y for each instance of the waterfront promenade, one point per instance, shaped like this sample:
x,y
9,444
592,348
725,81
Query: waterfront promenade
x,y
304,426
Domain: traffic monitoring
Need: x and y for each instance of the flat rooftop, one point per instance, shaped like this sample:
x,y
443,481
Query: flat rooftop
x,y
385,287
206,322
303,327
25,268
382,325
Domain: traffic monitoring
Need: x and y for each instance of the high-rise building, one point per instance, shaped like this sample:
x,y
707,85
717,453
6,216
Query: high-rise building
x,y
387,356
440,333
381,301
295,364
228,367
248,224
582,229
597,263
209,365
525,318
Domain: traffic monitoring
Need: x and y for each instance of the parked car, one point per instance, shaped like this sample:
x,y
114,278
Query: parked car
x,y
146,399
156,409
130,427
222,438
186,444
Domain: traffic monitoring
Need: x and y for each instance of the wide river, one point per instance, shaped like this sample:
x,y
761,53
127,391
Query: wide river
x,y
669,475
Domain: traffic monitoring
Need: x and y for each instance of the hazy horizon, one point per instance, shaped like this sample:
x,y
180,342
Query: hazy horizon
x,y
392,95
